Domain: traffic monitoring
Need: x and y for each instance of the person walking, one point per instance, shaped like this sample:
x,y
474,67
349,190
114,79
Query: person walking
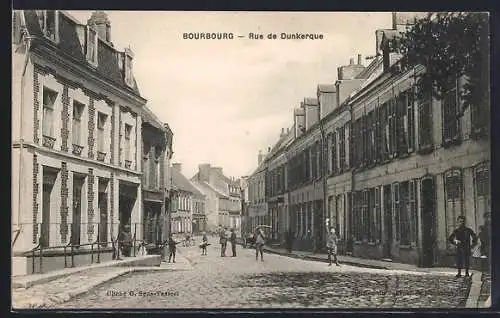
x,y
461,238
204,244
223,243
232,239
259,245
331,244
172,247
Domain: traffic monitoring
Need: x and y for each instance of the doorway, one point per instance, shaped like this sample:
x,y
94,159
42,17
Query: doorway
x,y
78,181
387,222
428,212
49,179
102,202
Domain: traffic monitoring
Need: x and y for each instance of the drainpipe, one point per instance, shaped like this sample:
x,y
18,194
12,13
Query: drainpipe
x,y
27,40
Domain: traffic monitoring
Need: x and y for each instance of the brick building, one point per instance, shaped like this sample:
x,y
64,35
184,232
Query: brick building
x,y
76,134
389,171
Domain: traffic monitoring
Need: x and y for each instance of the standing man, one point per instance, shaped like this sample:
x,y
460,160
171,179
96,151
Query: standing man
x,y
125,240
461,238
259,245
331,244
289,240
232,239
204,243
172,247
223,243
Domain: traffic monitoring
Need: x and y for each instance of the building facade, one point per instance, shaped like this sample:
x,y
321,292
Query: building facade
x,y
395,170
77,133
223,197
257,204
187,199
156,155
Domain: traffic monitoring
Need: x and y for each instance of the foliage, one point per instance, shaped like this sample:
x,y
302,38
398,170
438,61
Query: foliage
x,y
449,46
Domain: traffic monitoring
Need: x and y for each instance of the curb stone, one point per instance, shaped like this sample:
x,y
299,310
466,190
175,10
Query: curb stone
x,y
474,291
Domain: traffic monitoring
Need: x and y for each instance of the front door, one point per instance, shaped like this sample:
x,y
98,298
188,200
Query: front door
x,y
103,221
77,210
45,227
428,212
388,221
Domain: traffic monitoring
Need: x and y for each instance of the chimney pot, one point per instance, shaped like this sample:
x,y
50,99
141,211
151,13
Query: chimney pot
x,y
103,25
268,149
359,59
351,61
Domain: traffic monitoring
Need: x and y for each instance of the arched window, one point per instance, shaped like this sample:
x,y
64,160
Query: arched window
x,y
453,186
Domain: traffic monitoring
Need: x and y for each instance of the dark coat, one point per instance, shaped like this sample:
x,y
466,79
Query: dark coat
x,y
465,235
233,238
172,245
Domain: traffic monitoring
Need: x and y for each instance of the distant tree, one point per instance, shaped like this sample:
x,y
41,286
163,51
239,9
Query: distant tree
x,y
449,45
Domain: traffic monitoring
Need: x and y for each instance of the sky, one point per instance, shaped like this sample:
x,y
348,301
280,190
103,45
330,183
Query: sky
x,y
226,99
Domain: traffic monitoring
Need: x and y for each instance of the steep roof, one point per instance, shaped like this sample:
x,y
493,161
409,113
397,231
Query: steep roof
x,y
70,44
182,183
149,117
207,187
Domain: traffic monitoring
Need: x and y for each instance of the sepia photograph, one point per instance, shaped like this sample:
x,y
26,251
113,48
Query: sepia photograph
x,y
250,160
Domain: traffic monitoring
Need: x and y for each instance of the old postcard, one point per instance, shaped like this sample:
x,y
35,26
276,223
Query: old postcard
x,y
170,159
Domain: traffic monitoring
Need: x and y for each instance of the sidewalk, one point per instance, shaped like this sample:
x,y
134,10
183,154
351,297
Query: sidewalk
x,y
51,289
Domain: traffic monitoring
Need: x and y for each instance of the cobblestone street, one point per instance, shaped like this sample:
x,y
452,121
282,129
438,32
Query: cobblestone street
x,y
278,281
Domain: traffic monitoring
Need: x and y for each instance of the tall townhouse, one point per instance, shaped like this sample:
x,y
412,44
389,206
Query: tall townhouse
x,y
245,224
276,180
156,155
223,195
76,135
257,204
418,165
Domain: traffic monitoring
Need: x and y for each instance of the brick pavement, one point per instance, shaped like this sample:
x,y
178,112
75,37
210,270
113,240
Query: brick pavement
x,y
278,281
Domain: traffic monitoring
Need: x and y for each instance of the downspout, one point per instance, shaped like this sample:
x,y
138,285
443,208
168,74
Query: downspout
x,y
27,40
324,159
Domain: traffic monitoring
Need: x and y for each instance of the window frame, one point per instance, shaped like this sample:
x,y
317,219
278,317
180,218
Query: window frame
x,y
43,14
92,32
46,108
451,216
451,126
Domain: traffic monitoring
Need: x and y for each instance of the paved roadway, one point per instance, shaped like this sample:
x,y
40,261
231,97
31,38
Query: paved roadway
x,y
277,282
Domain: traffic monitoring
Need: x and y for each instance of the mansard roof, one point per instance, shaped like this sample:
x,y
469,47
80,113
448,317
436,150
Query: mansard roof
x,y
70,46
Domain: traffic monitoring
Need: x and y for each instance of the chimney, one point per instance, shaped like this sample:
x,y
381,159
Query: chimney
x,y
282,132
351,61
287,131
260,157
359,59
204,172
102,23
177,166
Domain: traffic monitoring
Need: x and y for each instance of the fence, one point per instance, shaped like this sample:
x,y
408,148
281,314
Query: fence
x,y
70,250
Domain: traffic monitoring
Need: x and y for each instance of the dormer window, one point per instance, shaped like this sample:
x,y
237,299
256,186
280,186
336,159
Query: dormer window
x,y
92,46
49,23
128,67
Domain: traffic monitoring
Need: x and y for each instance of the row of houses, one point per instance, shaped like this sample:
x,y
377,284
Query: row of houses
x,y
88,155
391,172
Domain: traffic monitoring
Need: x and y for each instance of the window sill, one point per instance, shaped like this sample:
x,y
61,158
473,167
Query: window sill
x,y
48,141
77,150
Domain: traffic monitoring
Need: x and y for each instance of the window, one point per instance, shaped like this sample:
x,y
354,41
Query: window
x,y
377,135
92,45
49,100
334,153
49,23
367,219
410,121
77,122
128,69
402,124
451,122
425,123
396,208
364,138
128,132
404,211
454,199
157,167
483,192
101,125
357,218
384,132
378,215
342,154
392,128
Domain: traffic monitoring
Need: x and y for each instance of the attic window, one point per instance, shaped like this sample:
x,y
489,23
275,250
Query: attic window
x,y
128,69
92,46
49,23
